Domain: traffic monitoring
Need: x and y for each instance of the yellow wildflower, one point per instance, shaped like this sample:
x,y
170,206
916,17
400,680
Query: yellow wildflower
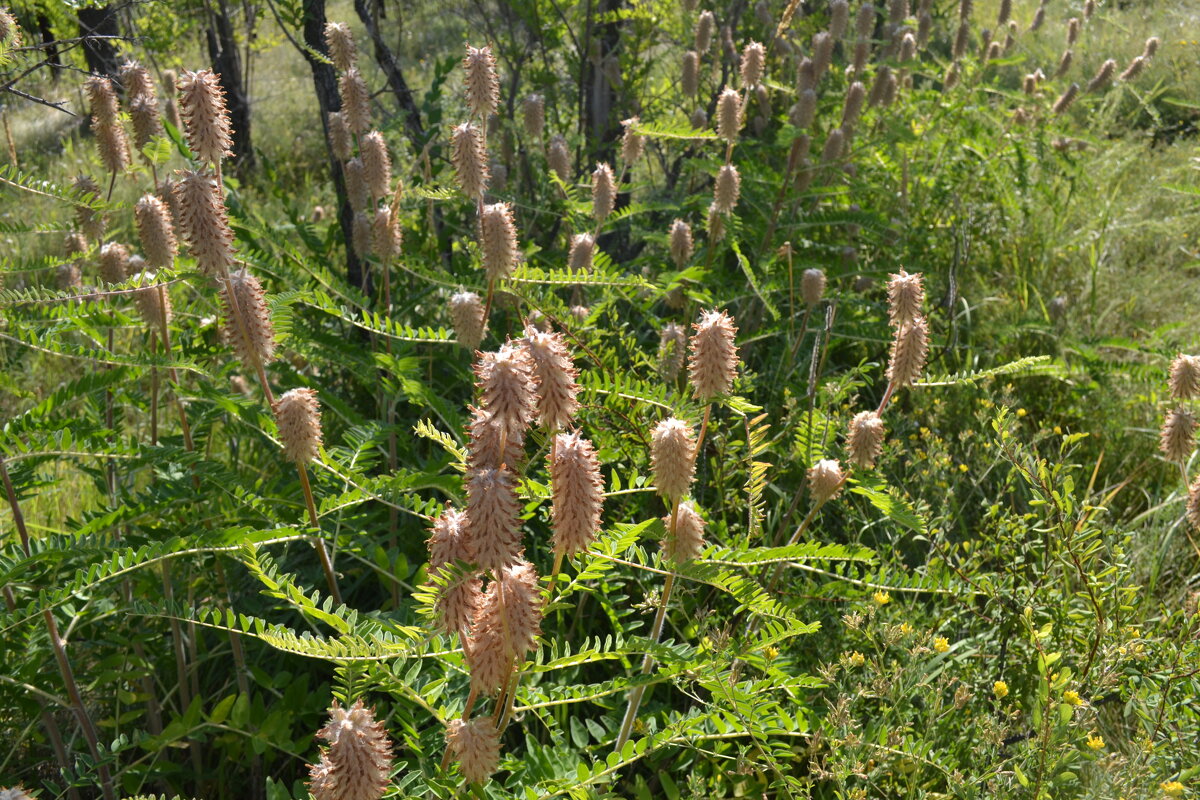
x,y
1000,689
1072,697
1095,742
941,644
1172,788
905,628
857,659
882,598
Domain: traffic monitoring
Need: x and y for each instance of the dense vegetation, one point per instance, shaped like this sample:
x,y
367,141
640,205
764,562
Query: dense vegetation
x,y
622,398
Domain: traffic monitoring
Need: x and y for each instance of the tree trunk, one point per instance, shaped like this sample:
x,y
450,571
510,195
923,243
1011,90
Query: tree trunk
x,y
227,62
100,54
48,41
387,62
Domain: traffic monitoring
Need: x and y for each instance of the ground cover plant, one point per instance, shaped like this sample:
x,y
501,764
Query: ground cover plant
x,y
602,399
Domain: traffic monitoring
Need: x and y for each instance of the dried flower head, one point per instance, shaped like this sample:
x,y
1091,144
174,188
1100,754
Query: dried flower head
x,y
822,55
153,302
579,258
1185,377
377,164
360,234
505,380
729,115
704,30
1150,48
498,237
253,337
632,143
909,349
386,235
699,119
205,224
685,540
470,160
805,109
839,18
493,514
835,145
106,124
494,441
554,376
202,99
1193,504
1178,436
812,286
358,761
728,188
476,746
1072,30
689,77
856,95
482,83
340,42
358,191
680,242
1134,69
713,363
754,56
673,457
466,314
147,124
102,100
1065,100
449,543
1039,18
90,221
155,231
533,109
1103,76
825,479
714,224
356,100
865,441
559,157
604,192
906,295
114,262
578,493
299,419
672,347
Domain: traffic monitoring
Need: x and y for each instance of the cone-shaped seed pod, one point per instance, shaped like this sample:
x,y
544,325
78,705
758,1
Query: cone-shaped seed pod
x,y
386,235
672,347
356,100
1150,48
202,100
839,17
377,164
470,160
466,314
1178,436
909,349
673,458
1066,99
906,295
632,143
482,85
90,221
505,380
812,286
449,543
494,442
754,56
1134,69
727,189
358,761
729,115
153,303
340,42
704,31
1185,377
865,441
714,360
681,243
1193,504
259,338
822,48
689,78
604,192
114,262
204,222
358,190
559,158
360,234
687,542
340,138
855,96
825,479
476,747
155,231
493,512
579,259
1103,76
299,419
1039,18
533,108
498,238
554,376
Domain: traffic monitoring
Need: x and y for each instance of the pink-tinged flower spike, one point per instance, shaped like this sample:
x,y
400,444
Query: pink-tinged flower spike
x,y
604,192
204,222
469,156
299,418
493,514
202,100
356,100
466,314
114,262
729,115
673,458
559,157
498,238
554,377
155,230
482,83
106,124
449,542
476,746
686,542
714,360
505,380
906,295
534,110
909,349
340,41
578,491
681,243
579,258
726,191
1193,504
865,442
358,761
257,341
672,349
494,442
812,286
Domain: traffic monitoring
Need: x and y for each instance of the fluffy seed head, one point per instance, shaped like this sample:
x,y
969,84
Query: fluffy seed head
x,y
1134,69
155,231
604,192
377,164
839,17
202,99
204,222
1039,18
114,262
825,479
482,83
360,234
727,189
1193,504
681,242
1178,436
1150,48
505,380
1065,100
340,138
805,109
153,302
704,31
714,360
533,108
812,286
466,314
1103,76
498,237
106,124
1185,377
299,419
909,349
632,143
449,543
856,95
102,100
729,115
476,746
686,542
578,492
754,56
822,48
559,157
715,225
879,87
358,191
257,341
386,235
672,347
147,123
554,377
88,219
672,457
356,100
340,42
469,155
865,441
689,78
493,514
358,761
835,143
906,295
579,259
1072,30
494,441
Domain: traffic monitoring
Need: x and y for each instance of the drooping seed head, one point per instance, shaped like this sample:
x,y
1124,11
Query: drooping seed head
x,y
90,221
493,514
1065,100
825,479
554,377
476,747
205,224
754,57
202,101
910,346
298,416
340,42
906,295
358,761
253,339
469,155
356,100
672,348
704,31
729,115
386,235
155,231
812,286
466,314
377,164
1178,436
632,143
559,157
865,441
681,243
604,192
672,457
713,363
498,238
358,191
1103,76
482,84
114,262
727,189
